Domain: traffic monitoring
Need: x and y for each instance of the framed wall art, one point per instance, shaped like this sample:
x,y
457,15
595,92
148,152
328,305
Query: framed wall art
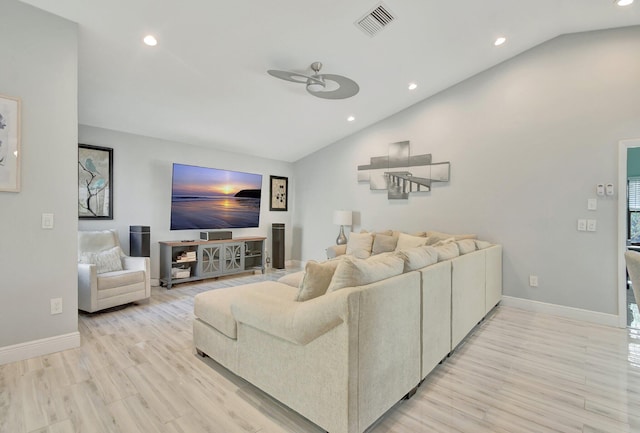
x,y
95,182
279,193
9,144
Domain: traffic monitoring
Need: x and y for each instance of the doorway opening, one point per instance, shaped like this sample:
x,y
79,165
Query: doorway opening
x,y
628,227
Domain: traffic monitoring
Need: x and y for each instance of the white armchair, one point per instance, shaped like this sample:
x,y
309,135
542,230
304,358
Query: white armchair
x,y
107,277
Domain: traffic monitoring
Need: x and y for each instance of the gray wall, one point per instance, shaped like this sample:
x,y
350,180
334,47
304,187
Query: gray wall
x,y
39,65
142,186
528,141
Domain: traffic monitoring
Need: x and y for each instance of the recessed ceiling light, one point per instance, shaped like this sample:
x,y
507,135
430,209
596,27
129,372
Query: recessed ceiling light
x,y
501,40
413,86
350,119
150,40
623,2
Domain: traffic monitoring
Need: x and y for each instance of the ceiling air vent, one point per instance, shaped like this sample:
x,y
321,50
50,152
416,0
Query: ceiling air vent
x,y
375,20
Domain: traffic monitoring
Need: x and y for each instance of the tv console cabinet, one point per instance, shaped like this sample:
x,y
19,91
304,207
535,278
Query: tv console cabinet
x,y
184,261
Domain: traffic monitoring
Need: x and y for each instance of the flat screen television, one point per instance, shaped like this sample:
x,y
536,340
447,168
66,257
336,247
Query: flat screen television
x,y
209,198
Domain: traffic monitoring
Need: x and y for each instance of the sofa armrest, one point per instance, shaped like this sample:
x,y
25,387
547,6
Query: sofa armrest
x,y
336,250
296,322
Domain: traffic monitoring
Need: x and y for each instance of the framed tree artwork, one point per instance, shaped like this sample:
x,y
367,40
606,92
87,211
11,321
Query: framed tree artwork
x,y
95,182
279,192
9,144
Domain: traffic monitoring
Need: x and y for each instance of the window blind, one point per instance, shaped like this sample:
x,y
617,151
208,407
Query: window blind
x,y
634,194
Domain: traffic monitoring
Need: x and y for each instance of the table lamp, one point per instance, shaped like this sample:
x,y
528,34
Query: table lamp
x,y
342,218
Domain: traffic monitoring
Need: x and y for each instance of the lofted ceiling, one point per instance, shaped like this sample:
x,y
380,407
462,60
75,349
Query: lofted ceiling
x,y
205,83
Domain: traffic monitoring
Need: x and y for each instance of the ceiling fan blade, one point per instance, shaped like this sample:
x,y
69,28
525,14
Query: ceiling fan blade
x,y
347,89
290,76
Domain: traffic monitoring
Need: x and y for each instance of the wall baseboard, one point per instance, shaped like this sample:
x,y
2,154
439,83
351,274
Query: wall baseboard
x,y
45,346
562,311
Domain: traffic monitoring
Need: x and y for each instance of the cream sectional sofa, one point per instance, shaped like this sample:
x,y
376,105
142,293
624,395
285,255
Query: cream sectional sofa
x,y
343,358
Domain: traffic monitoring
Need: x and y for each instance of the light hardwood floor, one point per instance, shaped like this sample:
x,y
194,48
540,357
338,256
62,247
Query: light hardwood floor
x,y
136,372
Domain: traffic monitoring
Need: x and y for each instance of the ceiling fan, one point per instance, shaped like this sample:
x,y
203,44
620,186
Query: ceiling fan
x,y
327,86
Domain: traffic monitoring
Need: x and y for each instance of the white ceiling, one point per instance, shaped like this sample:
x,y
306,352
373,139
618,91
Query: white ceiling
x,y
206,82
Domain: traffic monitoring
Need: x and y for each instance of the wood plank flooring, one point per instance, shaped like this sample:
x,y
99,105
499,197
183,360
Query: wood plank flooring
x,y
136,372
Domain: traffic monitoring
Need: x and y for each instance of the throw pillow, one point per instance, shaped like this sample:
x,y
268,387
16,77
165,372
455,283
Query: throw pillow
x,y
406,241
108,260
418,257
316,280
466,246
383,244
434,237
444,242
359,245
447,251
353,272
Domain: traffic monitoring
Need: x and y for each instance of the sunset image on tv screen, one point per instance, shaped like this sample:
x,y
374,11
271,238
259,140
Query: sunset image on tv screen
x,y
209,198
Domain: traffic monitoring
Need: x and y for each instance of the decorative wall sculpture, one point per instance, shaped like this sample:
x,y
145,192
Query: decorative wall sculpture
x,y
400,173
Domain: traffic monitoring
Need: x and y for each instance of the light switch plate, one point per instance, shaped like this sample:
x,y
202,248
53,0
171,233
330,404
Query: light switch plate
x,y
47,221
582,225
592,204
591,225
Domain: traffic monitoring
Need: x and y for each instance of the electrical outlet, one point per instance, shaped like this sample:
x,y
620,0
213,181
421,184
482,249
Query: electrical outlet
x,y
533,280
591,225
582,225
56,305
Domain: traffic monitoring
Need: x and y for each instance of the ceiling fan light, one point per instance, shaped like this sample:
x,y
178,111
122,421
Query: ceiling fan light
x,y
315,85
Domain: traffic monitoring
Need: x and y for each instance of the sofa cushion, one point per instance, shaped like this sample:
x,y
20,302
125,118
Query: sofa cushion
x,y
466,246
317,277
418,257
214,306
434,237
407,241
383,244
110,280
359,245
447,251
353,272
293,279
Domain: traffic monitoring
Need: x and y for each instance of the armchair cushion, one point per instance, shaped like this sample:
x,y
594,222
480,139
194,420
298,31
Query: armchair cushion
x,y
121,278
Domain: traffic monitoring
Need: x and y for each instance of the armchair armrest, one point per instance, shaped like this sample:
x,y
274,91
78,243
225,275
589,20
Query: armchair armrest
x,y
296,322
87,287
137,263
336,250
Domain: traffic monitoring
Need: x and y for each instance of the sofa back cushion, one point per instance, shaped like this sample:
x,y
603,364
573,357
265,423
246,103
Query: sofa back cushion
x,y
353,272
447,251
359,245
466,246
418,257
316,280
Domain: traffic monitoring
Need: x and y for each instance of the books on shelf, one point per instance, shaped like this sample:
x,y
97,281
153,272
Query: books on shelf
x,y
186,256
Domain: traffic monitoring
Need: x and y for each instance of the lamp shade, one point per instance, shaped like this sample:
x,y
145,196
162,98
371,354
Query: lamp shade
x,y
342,217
